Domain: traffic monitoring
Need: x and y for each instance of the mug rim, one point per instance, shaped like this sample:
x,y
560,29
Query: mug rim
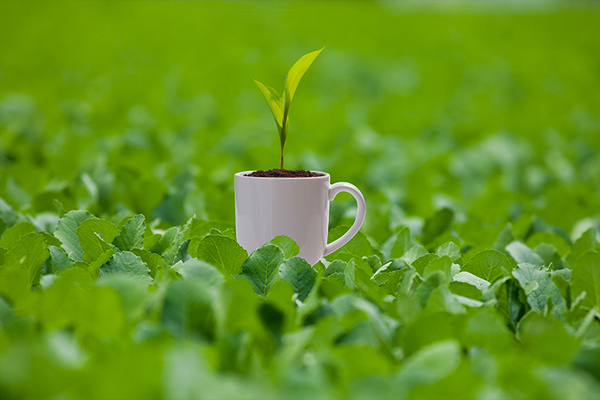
x,y
295,178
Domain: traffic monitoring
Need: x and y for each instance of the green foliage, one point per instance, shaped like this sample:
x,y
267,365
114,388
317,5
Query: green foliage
x,y
474,276
280,105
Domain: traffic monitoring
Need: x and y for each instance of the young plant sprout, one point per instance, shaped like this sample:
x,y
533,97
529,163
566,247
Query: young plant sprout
x,y
280,105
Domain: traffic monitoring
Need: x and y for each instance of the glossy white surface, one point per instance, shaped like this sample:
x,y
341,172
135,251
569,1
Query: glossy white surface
x,y
295,207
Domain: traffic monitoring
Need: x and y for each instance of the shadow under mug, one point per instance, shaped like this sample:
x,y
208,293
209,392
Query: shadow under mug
x,y
294,207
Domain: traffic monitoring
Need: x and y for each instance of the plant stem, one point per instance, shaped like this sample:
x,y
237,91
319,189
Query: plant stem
x,y
281,160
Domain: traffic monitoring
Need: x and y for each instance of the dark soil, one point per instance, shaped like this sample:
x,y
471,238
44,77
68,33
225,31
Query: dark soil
x,y
284,173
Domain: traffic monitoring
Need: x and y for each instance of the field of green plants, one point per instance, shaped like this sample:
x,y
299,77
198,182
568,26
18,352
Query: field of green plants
x,y
472,130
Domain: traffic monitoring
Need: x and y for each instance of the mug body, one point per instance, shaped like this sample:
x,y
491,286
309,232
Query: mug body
x,y
294,207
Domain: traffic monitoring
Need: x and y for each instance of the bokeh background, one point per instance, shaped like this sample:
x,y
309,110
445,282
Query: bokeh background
x,y
490,109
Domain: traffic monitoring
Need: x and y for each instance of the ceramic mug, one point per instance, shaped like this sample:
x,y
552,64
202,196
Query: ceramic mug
x,y
294,207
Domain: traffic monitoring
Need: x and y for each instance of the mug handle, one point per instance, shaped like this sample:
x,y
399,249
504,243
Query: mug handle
x,y
360,214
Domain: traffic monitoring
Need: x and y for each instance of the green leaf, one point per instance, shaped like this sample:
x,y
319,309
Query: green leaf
x,y
511,302
66,232
428,286
438,224
154,261
132,234
222,252
359,245
299,274
586,278
188,310
431,363
296,73
196,269
127,264
414,253
58,261
401,244
490,265
274,101
585,243
133,292
166,241
422,262
468,278
171,254
336,271
523,254
94,267
94,235
262,268
538,282
539,238
11,236
287,245
465,289
28,254
449,249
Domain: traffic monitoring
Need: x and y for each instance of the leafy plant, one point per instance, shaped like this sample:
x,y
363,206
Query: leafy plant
x,y
280,105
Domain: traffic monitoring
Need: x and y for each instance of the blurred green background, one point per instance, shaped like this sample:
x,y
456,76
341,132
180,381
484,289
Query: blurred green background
x,y
128,107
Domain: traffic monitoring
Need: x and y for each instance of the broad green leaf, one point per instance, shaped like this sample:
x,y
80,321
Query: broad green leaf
x,y
154,261
300,275
222,252
133,292
490,265
58,261
66,232
546,339
465,289
94,235
11,236
523,254
438,224
28,254
262,268
296,73
442,264
449,249
414,253
288,246
188,310
511,302
127,264
443,300
428,286
586,278
422,262
171,254
431,363
94,267
196,269
540,285
585,243
467,277
132,234
401,244
165,242
359,245
274,101
336,271
553,239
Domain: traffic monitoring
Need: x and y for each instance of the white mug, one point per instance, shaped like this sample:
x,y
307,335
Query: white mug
x,y
294,207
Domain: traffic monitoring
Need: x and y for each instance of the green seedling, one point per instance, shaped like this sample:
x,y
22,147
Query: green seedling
x,y
280,105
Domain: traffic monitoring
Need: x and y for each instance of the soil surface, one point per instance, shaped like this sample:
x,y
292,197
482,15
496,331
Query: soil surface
x,y
284,173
